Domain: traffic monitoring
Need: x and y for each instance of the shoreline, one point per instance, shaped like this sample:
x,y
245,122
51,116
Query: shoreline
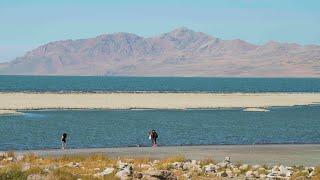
x,y
37,101
271,154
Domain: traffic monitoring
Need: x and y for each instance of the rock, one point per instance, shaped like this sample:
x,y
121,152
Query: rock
x,y
123,175
244,167
222,164
25,167
310,169
36,177
160,174
191,166
223,174
275,170
282,171
210,168
249,174
104,172
313,173
227,159
122,165
8,159
125,172
177,165
73,165
137,175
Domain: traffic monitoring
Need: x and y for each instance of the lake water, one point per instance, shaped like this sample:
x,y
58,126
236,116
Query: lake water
x,y
112,128
156,84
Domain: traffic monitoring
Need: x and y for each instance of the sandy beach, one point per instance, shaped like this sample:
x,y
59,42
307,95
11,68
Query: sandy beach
x,y
308,155
24,101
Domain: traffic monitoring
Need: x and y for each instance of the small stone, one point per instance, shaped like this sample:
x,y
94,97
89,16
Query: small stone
x,y
244,167
25,167
8,159
104,172
177,165
223,174
227,159
137,175
249,174
160,174
210,168
282,171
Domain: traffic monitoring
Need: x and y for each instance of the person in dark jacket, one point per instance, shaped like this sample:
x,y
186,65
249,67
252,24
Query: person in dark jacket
x,y
154,137
64,141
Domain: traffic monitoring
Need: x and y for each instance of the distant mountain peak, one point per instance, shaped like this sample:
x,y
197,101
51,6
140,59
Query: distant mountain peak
x,y
180,52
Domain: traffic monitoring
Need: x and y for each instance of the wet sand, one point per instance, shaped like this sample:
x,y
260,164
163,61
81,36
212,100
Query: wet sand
x,y
308,155
24,101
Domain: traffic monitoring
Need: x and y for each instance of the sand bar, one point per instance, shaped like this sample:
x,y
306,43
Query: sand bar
x,y
152,100
19,101
308,155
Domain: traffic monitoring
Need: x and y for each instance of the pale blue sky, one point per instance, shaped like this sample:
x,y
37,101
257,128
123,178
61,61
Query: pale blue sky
x,y
26,24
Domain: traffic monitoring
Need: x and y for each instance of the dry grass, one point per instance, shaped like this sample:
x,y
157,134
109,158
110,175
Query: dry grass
x,y
64,167
206,161
172,159
317,174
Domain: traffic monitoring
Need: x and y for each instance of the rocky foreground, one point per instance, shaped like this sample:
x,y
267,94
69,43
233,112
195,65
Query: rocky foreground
x,y
99,166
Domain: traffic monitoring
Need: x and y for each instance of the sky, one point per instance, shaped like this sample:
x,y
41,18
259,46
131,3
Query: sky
x,y
27,24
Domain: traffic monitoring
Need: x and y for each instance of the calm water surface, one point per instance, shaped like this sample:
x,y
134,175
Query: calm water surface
x,y
158,84
110,128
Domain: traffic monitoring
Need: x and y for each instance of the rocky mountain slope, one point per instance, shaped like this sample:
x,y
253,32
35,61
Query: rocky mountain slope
x,y
181,52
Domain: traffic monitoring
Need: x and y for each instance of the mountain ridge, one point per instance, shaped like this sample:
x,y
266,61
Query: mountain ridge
x,y
181,52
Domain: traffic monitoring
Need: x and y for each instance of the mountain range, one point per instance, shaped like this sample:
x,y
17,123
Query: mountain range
x,y
181,52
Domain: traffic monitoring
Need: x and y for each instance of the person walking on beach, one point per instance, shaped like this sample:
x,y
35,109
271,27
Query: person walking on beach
x,y
154,137
64,141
